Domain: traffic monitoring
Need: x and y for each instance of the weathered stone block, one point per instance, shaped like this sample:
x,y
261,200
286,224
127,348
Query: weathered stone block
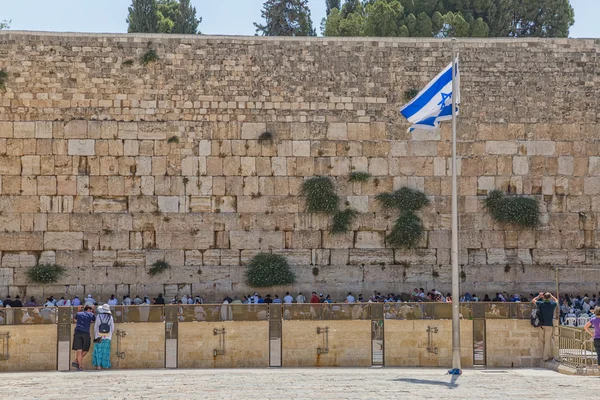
x,y
337,131
63,240
252,130
81,147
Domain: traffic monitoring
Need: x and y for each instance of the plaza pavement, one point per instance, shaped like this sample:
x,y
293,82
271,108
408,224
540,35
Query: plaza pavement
x,y
314,383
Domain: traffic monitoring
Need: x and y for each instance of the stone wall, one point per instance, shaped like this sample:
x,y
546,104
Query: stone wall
x,y
107,166
30,348
406,343
246,345
344,344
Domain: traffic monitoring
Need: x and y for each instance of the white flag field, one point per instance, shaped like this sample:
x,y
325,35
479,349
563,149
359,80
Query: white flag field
x,y
433,103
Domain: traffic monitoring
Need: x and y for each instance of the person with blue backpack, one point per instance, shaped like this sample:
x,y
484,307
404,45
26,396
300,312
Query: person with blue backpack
x,y
103,331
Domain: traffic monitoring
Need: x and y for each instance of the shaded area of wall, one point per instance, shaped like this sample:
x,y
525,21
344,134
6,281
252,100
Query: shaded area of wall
x,y
246,345
349,344
406,343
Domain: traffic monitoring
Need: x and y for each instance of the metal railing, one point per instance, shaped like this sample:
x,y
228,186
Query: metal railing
x,y
262,312
574,347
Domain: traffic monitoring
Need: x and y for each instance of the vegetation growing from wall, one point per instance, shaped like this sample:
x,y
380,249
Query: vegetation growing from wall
x,y
321,198
267,269
342,221
408,228
45,273
320,195
149,57
359,176
158,268
3,77
521,211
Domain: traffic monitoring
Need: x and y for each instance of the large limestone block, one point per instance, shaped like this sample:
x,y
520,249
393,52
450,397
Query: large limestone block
x,y
371,256
24,130
243,240
337,131
369,240
251,130
6,129
63,240
152,131
76,129
21,241
10,165
82,147
109,204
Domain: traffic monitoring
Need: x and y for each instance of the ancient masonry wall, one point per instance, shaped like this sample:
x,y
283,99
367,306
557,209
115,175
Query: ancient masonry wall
x,y
107,165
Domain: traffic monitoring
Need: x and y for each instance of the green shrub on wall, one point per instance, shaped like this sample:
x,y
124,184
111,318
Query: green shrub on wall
x,y
267,269
521,211
406,232
342,220
45,273
408,228
320,195
404,199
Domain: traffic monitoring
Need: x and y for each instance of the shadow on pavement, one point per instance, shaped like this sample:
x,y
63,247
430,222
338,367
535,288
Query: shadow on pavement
x,y
451,385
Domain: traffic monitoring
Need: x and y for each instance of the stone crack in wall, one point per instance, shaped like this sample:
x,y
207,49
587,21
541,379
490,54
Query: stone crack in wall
x,y
107,166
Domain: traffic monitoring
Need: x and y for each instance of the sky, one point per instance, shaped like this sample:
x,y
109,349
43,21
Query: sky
x,y
225,17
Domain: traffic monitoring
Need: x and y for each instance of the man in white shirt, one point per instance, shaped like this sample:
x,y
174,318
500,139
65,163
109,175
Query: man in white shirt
x,y
288,299
61,302
300,299
350,298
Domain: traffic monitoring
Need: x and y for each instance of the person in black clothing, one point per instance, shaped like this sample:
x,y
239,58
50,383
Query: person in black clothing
x,y
486,298
17,302
160,299
8,301
268,299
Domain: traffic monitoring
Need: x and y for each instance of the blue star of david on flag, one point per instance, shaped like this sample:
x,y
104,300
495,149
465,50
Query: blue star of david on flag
x,y
433,104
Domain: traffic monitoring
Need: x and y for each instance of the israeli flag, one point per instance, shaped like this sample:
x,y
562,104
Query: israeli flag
x,y
434,103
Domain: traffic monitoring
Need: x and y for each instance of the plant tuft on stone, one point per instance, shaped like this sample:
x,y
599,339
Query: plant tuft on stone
x,y
149,57
3,78
158,268
173,139
267,269
359,176
45,273
521,211
410,94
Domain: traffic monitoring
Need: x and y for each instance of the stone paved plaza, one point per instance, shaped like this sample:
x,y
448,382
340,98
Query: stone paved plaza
x,y
323,384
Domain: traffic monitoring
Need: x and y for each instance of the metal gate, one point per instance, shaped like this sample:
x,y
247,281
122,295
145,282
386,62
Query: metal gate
x,y
275,335
377,343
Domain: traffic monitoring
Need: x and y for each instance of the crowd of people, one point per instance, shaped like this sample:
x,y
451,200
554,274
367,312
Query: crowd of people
x,y
578,304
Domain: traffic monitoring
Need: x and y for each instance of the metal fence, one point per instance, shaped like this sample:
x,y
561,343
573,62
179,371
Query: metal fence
x,y
264,312
574,348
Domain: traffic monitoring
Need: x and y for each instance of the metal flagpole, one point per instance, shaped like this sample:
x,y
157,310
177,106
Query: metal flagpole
x,y
456,367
